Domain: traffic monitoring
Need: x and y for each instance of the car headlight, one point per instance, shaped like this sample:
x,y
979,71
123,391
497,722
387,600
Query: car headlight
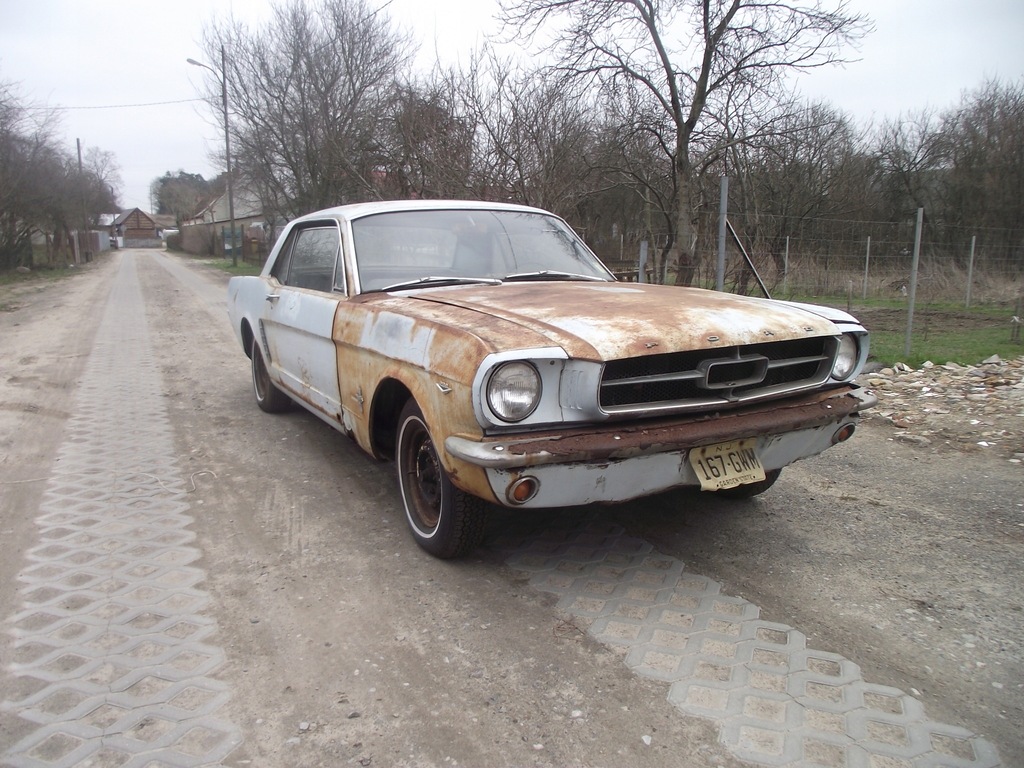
x,y
846,358
513,391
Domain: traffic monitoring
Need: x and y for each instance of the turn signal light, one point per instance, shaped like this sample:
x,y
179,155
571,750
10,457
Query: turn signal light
x,y
522,490
843,434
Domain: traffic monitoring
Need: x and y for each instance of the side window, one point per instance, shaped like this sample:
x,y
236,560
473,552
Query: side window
x,y
280,268
312,258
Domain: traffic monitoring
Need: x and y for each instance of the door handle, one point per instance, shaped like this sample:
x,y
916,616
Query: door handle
x,y
272,297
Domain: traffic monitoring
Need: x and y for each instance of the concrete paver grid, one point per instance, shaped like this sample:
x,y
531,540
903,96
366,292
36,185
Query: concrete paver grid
x,y
112,651
775,701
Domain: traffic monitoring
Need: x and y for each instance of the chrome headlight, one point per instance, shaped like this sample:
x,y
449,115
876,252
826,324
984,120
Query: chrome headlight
x,y
847,357
513,391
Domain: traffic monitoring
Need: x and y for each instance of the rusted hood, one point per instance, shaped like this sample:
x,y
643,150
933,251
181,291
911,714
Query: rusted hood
x,y
607,321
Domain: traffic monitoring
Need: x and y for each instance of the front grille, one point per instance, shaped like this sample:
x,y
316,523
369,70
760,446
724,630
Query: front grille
x,y
716,377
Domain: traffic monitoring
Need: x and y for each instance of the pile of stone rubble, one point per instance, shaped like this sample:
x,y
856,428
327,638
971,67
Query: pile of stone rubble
x,y
976,407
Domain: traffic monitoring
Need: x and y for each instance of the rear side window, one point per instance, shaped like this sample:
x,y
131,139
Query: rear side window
x,y
311,258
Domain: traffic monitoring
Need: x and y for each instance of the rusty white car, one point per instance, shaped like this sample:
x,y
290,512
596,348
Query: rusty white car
x,y
491,355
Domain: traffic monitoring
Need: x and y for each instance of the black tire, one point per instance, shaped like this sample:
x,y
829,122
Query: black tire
x,y
445,521
268,397
750,490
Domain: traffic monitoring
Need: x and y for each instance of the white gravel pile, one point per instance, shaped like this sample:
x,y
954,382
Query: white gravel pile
x,y
975,407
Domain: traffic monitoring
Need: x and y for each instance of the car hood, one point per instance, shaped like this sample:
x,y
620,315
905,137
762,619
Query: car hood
x,y
608,321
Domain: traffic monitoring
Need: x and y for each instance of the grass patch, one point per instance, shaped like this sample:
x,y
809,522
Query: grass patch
x,y
13,277
899,304
966,347
943,332
243,268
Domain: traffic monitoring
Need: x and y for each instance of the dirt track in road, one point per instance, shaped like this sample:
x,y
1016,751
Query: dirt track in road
x,y
346,645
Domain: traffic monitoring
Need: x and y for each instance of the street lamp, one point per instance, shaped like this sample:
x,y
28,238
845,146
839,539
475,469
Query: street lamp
x,y
223,75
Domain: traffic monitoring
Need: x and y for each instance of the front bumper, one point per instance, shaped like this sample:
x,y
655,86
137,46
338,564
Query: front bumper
x,y
609,464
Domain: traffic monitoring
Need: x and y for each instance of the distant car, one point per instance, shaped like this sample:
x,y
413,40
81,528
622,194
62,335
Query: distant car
x,y
488,352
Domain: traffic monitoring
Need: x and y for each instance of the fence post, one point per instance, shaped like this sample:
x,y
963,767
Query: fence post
x,y
867,261
970,272
723,213
785,269
913,280
641,272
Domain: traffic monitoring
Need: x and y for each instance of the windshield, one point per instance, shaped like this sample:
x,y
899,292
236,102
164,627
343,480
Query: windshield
x,y
459,246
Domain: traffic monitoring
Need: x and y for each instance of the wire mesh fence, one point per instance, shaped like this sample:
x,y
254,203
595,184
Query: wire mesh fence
x,y
856,260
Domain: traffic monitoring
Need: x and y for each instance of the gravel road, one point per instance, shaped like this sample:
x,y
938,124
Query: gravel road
x,y
868,610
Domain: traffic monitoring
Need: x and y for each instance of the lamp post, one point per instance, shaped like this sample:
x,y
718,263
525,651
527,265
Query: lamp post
x,y
223,75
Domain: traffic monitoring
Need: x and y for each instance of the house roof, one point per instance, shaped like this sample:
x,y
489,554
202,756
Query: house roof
x,y
122,217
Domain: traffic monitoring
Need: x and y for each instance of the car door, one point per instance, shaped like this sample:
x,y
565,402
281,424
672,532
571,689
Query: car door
x,y
306,285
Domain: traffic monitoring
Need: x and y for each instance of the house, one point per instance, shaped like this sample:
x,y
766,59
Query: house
x,y
135,229
209,230
165,223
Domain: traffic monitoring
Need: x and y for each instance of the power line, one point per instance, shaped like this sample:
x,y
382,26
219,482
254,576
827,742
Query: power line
x,y
112,106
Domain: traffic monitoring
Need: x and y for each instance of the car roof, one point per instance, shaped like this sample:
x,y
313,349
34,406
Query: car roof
x,y
358,210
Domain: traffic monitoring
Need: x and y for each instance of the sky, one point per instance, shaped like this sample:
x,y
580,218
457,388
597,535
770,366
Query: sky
x,y
95,59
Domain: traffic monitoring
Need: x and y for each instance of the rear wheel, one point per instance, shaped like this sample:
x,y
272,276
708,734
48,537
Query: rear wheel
x,y
444,520
268,397
750,490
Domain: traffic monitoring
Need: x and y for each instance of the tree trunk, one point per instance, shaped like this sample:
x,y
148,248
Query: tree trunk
x,y
686,224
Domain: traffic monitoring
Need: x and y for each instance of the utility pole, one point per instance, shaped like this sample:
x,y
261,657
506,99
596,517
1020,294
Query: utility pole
x,y
227,153
223,75
83,251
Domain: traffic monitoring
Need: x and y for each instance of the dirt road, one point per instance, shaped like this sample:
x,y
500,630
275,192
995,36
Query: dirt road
x,y
869,610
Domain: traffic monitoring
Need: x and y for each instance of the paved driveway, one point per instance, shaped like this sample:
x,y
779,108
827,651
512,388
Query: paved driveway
x,y
188,581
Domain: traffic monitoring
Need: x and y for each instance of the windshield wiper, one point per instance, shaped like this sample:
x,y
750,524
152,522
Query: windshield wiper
x,y
553,274
435,280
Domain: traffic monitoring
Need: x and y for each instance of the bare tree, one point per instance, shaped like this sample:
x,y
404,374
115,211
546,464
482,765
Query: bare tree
x,y
683,54
534,135
42,190
103,174
982,142
181,194
812,168
28,155
310,95
636,197
910,152
429,150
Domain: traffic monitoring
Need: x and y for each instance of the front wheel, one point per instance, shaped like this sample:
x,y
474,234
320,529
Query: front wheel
x,y
268,397
444,520
750,490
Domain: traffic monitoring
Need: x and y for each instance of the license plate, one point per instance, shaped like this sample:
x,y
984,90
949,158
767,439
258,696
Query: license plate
x,y
727,465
